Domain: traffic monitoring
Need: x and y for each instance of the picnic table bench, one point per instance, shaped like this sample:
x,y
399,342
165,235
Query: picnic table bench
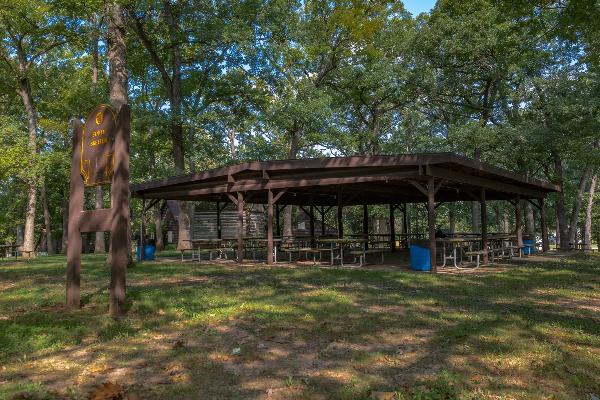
x,y
579,246
207,246
7,250
362,254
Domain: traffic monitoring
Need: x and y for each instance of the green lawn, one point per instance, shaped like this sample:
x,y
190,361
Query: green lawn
x,y
531,331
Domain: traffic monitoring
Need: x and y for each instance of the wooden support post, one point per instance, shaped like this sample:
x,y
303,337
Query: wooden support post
x,y
270,227
311,215
484,236
431,223
340,219
322,220
366,225
240,227
119,237
545,243
219,233
278,223
518,222
392,228
141,243
404,221
75,208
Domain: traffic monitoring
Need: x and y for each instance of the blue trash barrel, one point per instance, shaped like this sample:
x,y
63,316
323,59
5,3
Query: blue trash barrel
x,y
419,257
149,250
529,246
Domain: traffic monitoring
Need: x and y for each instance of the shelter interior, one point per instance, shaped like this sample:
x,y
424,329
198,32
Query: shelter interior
x,y
327,183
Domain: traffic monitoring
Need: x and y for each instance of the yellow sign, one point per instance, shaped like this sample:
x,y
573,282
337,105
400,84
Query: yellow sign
x,y
97,155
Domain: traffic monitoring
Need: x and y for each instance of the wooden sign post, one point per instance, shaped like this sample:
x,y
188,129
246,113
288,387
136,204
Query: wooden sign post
x,y
100,156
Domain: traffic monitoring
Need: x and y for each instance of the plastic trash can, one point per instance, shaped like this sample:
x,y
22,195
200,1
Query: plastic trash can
x,y
419,257
149,250
529,246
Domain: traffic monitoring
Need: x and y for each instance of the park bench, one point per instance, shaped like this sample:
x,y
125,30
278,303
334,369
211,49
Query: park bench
x,y
306,250
362,254
497,252
519,250
579,246
478,254
9,250
220,251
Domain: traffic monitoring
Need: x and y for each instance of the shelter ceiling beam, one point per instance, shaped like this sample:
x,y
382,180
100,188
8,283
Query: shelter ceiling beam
x,y
481,182
420,187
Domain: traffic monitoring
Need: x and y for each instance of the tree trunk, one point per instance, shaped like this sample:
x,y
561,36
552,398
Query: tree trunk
x,y
191,161
529,219
49,241
452,221
292,154
24,91
158,226
95,52
505,220
588,214
99,245
577,206
562,229
475,206
118,79
232,147
65,226
558,246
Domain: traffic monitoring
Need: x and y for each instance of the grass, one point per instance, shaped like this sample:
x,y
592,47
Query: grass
x,y
200,331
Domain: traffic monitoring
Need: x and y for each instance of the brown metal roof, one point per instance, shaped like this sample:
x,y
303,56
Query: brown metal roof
x,y
359,179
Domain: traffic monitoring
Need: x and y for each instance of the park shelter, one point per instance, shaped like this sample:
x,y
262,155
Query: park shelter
x,y
430,178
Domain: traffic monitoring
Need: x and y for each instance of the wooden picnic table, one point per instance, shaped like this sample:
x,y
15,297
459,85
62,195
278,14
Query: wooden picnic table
x,y
5,250
276,243
341,241
205,245
454,243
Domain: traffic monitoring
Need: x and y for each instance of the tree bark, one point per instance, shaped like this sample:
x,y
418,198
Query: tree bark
x,y
574,222
118,80
561,217
292,154
24,91
588,214
50,248
475,206
65,226
99,245
232,147
529,219
505,220
158,226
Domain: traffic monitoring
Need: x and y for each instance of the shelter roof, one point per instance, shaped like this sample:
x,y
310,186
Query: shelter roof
x,y
380,179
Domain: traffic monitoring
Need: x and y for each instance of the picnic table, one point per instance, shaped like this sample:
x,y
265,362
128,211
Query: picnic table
x,y
262,244
498,244
454,244
351,242
209,246
6,250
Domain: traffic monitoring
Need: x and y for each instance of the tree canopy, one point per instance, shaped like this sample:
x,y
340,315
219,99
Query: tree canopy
x,y
513,83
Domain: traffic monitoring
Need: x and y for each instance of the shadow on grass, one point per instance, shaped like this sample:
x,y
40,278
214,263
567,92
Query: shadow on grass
x,y
305,332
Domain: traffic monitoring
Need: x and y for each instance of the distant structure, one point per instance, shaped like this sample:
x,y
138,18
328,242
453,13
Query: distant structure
x,y
204,224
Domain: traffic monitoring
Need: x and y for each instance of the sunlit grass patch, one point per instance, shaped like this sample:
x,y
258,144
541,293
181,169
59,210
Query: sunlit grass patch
x,y
221,331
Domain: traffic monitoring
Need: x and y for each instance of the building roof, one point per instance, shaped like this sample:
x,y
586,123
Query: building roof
x,y
357,180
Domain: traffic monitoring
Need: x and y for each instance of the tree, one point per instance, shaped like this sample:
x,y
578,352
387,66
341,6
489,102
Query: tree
x,y
32,31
